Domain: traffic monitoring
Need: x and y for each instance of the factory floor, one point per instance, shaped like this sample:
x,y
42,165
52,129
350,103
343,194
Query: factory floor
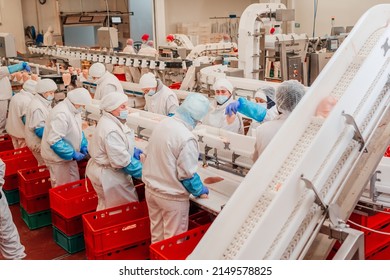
x,y
39,243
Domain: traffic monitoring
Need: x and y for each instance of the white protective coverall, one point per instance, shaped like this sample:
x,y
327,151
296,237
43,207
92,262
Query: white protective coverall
x,y
106,84
216,117
111,149
17,109
10,246
265,132
63,122
163,102
171,157
5,95
272,113
36,115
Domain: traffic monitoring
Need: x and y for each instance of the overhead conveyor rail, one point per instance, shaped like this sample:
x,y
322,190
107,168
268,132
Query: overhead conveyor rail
x,y
274,213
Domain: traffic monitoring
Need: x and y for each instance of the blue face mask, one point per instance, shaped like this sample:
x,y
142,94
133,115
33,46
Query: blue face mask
x,y
50,98
79,110
123,115
221,99
151,92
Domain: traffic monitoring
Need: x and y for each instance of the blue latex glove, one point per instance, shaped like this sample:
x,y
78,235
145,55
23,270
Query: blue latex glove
x,y
23,119
195,186
19,67
39,131
171,114
137,153
78,156
232,108
134,168
64,150
84,150
84,144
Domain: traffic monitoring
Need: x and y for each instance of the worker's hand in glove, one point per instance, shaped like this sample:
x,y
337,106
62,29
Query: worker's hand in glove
x,y
19,67
232,108
78,156
137,153
204,193
26,66
84,150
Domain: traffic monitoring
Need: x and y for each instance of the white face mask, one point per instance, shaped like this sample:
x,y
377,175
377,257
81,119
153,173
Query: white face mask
x,y
221,99
263,105
79,110
123,115
151,92
50,98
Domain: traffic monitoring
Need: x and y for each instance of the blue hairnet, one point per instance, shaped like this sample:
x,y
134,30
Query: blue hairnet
x,y
288,95
193,108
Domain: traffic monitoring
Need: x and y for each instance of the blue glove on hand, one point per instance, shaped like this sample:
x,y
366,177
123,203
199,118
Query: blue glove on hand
x,y
84,150
19,67
205,190
171,114
137,153
78,156
26,66
232,108
39,131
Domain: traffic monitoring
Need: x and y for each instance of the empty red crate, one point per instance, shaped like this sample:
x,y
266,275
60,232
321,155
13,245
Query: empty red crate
x,y
178,247
136,251
6,143
116,227
73,199
374,240
17,159
36,203
11,182
201,218
34,181
70,226
382,253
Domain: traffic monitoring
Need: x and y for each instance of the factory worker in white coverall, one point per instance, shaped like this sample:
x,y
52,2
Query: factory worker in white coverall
x,y
17,113
159,98
6,89
10,246
170,169
216,117
63,141
106,82
37,112
114,158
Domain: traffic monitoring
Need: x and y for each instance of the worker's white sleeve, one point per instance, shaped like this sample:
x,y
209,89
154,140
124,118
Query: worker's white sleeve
x,y
37,120
117,152
4,73
187,161
108,89
59,128
2,173
172,104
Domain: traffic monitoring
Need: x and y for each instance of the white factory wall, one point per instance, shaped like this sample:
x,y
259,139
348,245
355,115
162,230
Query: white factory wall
x,y
346,13
11,21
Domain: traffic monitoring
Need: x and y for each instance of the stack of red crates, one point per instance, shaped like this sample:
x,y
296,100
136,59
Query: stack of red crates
x,y
6,143
387,153
180,246
34,185
68,203
376,245
118,233
15,160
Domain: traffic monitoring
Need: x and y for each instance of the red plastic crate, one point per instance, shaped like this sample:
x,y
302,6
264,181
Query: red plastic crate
x,y
34,181
201,218
11,182
387,153
116,227
82,165
136,251
373,240
70,226
373,221
36,203
178,247
73,199
140,188
18,159
382,253
6,143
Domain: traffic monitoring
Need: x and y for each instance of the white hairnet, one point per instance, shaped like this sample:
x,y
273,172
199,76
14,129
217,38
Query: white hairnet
x,y
269,92
113,100
30,86
148,80
79,96
288,95
97,70
46,85
223,83
195,106
260,94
